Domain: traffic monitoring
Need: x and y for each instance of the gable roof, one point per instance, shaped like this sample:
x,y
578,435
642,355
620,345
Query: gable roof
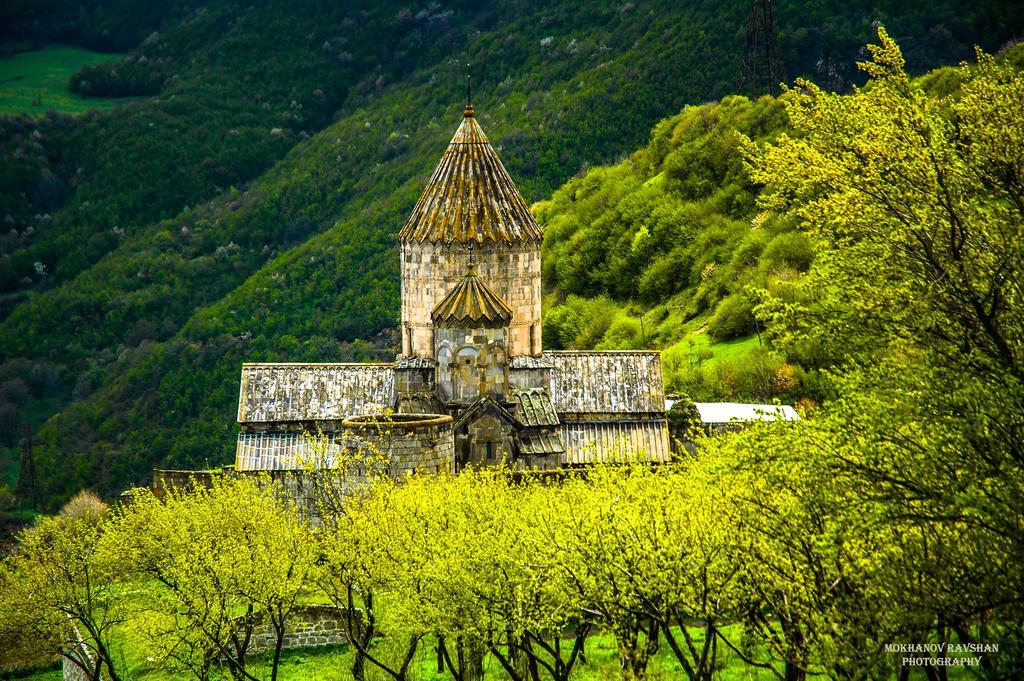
x,y
471,304
313,392
533,407
470,197
479,406
538,442
608,382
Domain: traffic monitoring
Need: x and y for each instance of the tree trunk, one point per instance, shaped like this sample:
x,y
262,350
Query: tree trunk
x,y
471,661
278,644
636,647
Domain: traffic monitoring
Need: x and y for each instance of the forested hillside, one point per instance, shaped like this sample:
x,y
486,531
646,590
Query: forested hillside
x,y
244,210
663,250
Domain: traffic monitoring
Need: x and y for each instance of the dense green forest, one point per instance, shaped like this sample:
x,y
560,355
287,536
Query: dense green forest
x,y
244,209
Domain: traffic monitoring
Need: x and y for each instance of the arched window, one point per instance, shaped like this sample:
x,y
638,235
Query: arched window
x,y
465,374
467,356
444,372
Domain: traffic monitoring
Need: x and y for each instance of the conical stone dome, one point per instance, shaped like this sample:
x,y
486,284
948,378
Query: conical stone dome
x,y
470,196
471,305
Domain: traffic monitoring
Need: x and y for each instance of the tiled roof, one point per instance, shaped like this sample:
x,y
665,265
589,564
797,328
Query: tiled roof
x,y
313,392
470,197
592,442
527,362
533,407
406,362
610,382
534,441
419,403
471,304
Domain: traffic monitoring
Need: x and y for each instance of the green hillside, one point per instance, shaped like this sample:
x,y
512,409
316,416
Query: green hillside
x,y
245,209
669,240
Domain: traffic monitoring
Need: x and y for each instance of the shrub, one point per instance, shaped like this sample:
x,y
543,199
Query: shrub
x,y
733,318
791,249
117,79
625,333
665,276
579,323
83,505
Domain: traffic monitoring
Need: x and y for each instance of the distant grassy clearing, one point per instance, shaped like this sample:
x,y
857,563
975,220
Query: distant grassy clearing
x,y
35,82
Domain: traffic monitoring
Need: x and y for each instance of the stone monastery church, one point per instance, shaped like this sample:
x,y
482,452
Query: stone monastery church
x,y
472,385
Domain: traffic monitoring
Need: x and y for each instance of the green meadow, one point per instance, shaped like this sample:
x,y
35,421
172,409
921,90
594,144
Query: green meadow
x,y
37,81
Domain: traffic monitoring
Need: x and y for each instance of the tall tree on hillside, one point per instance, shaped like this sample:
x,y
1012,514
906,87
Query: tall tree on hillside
x,y
917,299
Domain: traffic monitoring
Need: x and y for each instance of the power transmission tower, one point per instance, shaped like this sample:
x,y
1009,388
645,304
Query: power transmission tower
x,y
762,69
27,487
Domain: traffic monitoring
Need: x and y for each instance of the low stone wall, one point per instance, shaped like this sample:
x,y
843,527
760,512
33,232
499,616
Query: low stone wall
x,y
70,670
311,627
182,481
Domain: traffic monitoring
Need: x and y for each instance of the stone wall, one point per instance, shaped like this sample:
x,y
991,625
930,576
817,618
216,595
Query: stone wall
x,y
471,363
430,271
71,671
530,377
489,442
182,481
311,626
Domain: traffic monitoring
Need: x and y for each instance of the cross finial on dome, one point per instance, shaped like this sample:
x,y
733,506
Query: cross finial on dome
x,y
468,113
470,196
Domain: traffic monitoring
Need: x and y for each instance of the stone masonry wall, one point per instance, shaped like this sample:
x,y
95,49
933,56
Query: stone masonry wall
x,y
429,271
312,626
71,671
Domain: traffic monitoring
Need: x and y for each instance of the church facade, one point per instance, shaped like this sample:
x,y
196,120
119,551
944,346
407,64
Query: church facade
x,y
472,385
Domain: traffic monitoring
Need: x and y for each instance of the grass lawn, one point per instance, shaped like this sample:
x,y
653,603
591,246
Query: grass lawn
x,y
335,662
37,81
700,350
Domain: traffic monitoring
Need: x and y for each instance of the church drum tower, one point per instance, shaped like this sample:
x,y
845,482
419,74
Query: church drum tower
x,y
470,210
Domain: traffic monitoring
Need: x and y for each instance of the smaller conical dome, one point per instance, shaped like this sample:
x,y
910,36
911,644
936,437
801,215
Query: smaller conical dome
x,y
471,304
